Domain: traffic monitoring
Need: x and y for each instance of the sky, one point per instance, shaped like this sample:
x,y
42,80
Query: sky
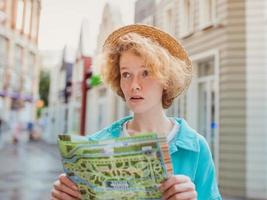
x,y
60,21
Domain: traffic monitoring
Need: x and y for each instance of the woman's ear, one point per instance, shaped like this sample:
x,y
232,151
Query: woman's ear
x,y
165,86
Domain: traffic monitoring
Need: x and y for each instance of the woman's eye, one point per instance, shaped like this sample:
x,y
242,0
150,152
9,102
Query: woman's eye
x,y
145,73
125,75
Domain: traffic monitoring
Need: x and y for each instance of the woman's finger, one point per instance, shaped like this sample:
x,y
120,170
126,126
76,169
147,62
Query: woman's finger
x,y
184,196
172,181
178,188
64,179
66,189
57,194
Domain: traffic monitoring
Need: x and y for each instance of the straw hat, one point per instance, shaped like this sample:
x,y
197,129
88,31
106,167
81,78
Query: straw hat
x,y
163,38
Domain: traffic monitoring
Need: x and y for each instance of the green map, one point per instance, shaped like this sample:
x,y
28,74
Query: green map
x,y
122,168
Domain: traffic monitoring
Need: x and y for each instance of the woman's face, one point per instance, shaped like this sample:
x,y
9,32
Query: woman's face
x,y
142,91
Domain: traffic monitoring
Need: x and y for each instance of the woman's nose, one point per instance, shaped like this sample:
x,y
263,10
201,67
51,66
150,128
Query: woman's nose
x,y
135,86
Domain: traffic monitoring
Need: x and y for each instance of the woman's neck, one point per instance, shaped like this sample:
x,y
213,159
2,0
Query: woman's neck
x,y
150,122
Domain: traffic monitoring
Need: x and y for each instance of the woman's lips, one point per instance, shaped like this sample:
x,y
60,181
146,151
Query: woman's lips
x,y
136,99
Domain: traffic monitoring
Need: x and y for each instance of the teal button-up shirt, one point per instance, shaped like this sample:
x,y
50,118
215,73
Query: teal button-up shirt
x,y
190,155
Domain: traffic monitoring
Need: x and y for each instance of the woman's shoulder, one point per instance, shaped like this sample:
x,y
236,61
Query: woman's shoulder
x,y
111,131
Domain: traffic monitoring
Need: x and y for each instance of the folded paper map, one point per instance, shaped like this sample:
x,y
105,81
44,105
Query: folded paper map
x,y
121,168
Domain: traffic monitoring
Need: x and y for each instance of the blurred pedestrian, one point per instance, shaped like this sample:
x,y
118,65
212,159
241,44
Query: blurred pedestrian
x,y
1,126
16,132
1,131
30,130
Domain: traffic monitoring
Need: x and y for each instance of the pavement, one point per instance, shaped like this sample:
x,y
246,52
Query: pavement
x,y
28,170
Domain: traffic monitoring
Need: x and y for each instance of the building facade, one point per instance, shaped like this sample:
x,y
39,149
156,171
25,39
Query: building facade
x,y
226,101
19,59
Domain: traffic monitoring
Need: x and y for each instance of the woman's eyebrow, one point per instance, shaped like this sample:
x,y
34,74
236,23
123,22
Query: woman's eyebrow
x,y
123,68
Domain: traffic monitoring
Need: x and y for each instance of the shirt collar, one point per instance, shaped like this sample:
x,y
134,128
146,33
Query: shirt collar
x,y
117,126
186,138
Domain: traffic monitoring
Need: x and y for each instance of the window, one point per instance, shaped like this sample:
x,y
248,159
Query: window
x,y
148,20
27,85
181,107
2,78
19,19
29,75
2,5
3,52
186,17
18,58
178,108
28,16
31,65
206,68
207,10
207,103
35,19
3,59
169,19
3,11
14,82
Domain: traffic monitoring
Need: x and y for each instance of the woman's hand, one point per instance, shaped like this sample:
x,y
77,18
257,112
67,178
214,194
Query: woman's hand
x,y
65,189
178,187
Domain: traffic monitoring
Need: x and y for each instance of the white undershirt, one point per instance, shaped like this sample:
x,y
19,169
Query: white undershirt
x,y
170,136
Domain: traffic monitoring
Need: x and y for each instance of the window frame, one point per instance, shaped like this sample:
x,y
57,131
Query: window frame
x,y
3,15
148,20
204,21
169,24
186,20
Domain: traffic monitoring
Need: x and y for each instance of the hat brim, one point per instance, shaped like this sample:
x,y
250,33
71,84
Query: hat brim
x,y
163,38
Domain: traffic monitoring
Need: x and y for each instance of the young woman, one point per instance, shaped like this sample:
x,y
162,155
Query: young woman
x,y
148,68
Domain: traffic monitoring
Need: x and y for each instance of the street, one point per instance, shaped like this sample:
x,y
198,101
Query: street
x,y
28,170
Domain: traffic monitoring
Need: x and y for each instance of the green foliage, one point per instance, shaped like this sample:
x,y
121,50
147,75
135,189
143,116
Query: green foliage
x,y
95,80
39,111
44,85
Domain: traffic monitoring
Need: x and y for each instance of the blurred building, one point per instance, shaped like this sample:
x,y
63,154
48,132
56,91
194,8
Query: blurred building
x,y
80,75
19,58
64,112
51,62
65,115
56,114
226,101
103,106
